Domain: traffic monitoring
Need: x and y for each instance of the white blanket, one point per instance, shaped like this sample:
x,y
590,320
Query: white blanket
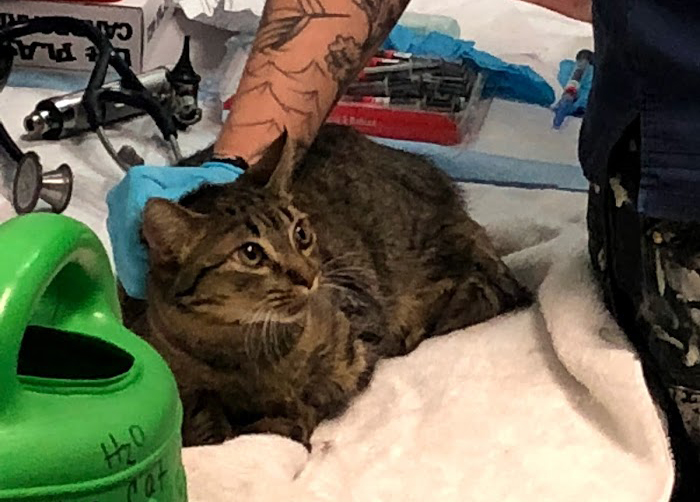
x,y
544,404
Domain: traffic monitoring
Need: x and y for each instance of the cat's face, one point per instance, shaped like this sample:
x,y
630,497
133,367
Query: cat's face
x,y
249,257
233,262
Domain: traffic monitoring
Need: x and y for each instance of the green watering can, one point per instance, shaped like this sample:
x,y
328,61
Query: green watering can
x,y
89,412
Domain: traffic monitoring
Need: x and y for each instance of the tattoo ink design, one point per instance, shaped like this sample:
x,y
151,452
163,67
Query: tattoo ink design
x,y
283,25
381,17
299,99
344,54
369,7
385,24
278,87
311,70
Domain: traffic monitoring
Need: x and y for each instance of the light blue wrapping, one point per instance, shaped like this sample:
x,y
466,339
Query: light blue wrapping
x,y
505,80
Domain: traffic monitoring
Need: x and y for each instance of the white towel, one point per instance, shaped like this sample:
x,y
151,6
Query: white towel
x,y
544,404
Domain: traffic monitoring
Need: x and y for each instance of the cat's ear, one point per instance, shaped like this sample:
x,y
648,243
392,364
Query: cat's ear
x,y
276,166
170,230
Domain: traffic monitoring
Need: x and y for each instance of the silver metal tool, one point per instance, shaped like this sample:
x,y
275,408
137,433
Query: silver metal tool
x,y
28,187
22,178
64,116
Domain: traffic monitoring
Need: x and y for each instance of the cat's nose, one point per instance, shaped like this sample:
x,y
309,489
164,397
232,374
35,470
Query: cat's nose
x,y
304,278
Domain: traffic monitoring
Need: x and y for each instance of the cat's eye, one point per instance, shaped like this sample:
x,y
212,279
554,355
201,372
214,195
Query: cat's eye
x,y
251,254
302,235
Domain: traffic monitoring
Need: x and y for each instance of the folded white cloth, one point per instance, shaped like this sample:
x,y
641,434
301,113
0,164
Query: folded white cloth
x,y
545,404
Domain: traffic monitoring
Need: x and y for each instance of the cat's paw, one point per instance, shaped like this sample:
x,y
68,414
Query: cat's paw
x,y
204,420
204,429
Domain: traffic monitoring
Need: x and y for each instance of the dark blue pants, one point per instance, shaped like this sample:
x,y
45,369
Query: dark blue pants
x,y
648,270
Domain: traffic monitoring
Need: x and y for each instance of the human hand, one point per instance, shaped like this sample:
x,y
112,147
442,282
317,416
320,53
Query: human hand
x,y
125,203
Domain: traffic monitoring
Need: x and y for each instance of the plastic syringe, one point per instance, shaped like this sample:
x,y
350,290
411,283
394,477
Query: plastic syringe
x,y
565,105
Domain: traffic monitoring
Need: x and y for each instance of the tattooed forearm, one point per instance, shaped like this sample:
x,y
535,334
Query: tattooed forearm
x,y
381,18
304,56
282,25
344,55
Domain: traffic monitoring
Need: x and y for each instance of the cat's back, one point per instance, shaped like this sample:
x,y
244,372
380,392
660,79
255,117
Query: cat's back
x,y
346,171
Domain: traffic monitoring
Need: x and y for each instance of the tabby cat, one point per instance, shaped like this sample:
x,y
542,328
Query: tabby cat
x,y
273,297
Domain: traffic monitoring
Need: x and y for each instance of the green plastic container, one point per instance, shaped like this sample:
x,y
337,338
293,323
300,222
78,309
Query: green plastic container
x,y
89,412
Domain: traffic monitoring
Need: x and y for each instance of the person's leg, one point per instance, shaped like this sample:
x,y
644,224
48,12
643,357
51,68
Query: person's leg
x,y
671,307
624,247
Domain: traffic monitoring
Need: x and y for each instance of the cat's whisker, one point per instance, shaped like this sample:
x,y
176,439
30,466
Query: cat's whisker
x,y
247,341
272,338
260,336
279,301
350,276
339,258
350,284
337,287
249,336
257,309
279,340
275,293
263,337
336,283
360,271
277,345
269,337
350,279
355,268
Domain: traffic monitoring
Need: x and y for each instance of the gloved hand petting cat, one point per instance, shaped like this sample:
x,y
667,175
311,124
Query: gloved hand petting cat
x,y
126,202
273,297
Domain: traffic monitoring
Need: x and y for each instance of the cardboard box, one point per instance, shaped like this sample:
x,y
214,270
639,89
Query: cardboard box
x,y
131,25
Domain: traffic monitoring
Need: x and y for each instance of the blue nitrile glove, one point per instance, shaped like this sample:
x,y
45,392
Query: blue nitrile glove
x,y
127,199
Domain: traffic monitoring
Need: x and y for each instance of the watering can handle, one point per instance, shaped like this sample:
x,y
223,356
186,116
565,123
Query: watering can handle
x,y
34,250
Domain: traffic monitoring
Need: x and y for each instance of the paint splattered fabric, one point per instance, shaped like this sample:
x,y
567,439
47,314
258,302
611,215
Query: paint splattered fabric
x,y
649,271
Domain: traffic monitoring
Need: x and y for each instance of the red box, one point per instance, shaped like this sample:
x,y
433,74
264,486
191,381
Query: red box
x,y
395,123
408,123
